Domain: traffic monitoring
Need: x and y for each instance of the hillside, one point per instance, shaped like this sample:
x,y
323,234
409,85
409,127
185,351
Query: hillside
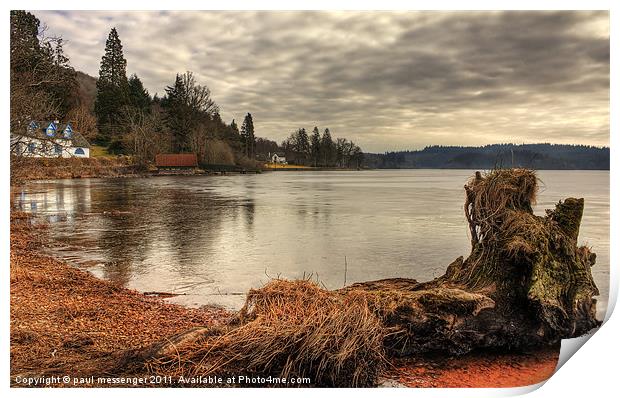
x,y
536,156
87,89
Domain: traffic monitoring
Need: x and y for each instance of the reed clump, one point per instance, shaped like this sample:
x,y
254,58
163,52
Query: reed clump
x,y
290,329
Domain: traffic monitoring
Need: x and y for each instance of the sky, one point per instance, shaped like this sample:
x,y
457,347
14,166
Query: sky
x,y
386,80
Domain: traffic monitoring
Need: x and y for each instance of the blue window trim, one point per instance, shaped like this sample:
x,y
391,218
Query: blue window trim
x,y
79,151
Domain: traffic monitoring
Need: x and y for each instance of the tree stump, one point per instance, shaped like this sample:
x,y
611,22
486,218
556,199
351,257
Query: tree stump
x,y
526,282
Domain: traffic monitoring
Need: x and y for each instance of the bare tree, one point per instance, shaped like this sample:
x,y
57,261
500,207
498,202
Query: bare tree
x,y
198,97
142,138
84,121
198,138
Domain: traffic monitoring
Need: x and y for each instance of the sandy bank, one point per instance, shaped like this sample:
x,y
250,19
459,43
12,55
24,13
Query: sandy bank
x,y
478,369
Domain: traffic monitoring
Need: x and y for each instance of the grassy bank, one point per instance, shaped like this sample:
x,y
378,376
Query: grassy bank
x,y
275,166
57,168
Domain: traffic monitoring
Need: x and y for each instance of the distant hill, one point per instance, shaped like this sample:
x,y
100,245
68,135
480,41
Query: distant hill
x,y
536,156
87,89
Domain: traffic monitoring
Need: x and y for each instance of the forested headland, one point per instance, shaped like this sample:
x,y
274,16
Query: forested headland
x,y
534,156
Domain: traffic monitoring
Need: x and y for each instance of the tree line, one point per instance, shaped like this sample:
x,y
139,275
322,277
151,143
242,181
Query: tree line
x,y
321,150
535,156
42,81
185,119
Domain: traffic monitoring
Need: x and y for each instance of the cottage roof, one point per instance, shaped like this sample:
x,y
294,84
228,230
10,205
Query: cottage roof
x,y
38,129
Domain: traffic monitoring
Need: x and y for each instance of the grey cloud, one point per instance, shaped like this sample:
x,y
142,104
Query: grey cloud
x,y
388,80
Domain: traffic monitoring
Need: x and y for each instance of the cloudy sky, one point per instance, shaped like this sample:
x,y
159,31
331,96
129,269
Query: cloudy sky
x,y
387,80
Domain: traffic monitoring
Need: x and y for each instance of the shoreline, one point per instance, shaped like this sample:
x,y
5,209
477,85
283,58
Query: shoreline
x,y
65,317
41,169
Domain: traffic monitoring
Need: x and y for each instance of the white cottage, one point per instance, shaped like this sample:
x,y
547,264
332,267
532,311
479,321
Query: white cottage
x,y
278,159
50,140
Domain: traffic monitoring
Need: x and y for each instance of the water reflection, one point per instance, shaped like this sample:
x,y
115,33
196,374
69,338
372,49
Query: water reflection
x,y
213,238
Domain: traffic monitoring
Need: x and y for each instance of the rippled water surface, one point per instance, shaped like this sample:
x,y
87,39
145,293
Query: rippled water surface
x,y
211,238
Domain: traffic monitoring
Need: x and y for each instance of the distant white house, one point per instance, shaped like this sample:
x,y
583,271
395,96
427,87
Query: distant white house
x,y
49,140
278,158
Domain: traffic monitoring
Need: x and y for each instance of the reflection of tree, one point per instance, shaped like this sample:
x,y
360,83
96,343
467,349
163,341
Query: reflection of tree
x,y
191,225
134,223
248,211
123,230
190,222
172,225
309,210
248,203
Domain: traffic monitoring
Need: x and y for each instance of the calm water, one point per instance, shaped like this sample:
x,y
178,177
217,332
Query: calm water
x,y
213,238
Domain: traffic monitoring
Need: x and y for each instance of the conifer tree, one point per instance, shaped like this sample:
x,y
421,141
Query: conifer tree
x,y
112,89
139,97
177,113
303,142
327,148
302,145
315,146
247,136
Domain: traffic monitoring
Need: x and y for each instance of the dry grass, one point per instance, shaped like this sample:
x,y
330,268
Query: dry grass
x,y
275,166
298,329
290,329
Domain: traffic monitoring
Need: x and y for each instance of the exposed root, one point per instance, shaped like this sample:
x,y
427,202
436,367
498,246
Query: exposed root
x,y
289,329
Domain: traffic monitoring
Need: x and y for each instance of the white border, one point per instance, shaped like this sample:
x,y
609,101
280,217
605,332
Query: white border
x,y
592,371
